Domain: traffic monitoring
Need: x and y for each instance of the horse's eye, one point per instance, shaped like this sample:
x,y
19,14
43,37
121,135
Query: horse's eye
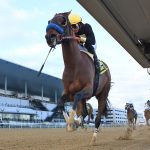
x,y
64,23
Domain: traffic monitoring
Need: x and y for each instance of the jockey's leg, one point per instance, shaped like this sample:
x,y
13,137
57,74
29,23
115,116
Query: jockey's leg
x,y
91,49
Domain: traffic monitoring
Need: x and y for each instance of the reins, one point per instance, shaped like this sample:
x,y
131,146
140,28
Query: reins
x,y
68,37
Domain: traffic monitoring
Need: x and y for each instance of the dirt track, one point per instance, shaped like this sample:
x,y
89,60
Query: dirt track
x,y
59,139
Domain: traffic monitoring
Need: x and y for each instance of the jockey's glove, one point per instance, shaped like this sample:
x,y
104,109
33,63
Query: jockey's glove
x,y
82,39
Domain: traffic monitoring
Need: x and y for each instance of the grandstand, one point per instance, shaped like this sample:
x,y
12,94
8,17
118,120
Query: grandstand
x,y
26,97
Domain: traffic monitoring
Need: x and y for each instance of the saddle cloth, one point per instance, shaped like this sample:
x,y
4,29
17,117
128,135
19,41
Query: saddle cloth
x,y
103,67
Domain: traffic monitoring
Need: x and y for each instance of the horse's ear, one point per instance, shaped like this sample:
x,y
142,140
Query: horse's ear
x,y
66,116
68,12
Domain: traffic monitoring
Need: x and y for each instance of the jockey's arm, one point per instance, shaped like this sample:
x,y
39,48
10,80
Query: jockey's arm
x,y
90,37
87,36
82,39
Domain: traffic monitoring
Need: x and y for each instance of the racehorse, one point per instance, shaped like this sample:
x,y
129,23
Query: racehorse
x,y
147,116
131,115
79,73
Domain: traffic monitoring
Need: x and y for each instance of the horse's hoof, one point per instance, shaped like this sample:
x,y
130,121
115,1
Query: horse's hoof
x,y
93,141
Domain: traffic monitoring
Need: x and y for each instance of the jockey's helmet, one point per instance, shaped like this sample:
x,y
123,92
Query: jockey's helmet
x,y
74,18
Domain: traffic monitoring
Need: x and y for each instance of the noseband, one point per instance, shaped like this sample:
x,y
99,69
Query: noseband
x,y
62,28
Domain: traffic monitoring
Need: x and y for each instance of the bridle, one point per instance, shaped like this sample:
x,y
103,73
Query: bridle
x,y
63,33
63,28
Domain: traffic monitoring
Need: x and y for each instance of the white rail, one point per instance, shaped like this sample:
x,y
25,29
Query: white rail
x,y
49,125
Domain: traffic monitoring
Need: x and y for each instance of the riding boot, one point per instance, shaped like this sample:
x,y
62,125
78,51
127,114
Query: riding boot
x,y
96,60
97,63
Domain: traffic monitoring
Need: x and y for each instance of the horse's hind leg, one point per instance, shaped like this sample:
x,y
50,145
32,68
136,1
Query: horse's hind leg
x,y
102,110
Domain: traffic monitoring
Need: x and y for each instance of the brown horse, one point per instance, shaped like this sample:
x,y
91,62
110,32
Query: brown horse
x,y
131,115
79,73
147,116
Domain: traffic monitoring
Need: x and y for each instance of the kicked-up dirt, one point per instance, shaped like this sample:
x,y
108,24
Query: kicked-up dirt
x,y
59,139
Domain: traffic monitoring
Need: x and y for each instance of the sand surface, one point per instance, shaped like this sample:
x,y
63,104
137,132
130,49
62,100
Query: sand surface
x,y
59,139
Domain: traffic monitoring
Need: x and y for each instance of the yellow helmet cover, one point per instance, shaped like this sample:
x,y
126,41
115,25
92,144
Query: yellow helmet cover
x,y
74,18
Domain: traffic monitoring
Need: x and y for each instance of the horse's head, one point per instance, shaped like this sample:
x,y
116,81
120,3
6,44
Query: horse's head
x,y
57,28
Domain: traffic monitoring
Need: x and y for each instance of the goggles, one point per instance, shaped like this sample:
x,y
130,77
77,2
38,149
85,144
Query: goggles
x,y
75,26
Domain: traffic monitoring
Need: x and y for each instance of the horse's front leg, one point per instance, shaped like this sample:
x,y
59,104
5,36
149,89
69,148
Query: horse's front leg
x,y
64,98
129,124
81,95
97,124
102,110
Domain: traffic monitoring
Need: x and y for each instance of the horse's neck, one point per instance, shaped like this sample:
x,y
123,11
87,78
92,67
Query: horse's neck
x,y
71,53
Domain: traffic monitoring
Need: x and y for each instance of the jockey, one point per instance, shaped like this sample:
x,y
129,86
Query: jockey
x,y
131,106
147,105
85,36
